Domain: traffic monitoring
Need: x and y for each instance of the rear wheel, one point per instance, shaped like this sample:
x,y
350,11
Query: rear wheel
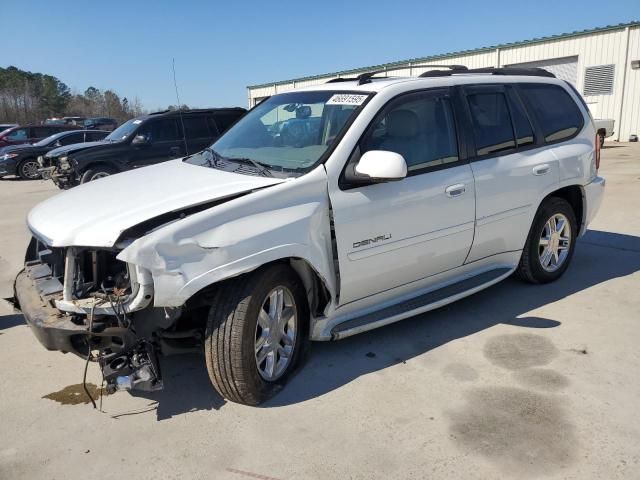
x,y
550,244
94,173
255,333
28,169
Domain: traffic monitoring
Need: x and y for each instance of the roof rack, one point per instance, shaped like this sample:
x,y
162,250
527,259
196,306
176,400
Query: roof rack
x,y
367,76
530,72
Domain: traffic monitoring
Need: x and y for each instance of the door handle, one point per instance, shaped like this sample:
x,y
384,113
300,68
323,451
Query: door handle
x,y
541,169
455,190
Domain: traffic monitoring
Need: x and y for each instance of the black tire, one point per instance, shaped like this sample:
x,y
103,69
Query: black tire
x,y
97,172
26,169
530,268
601,139
230,338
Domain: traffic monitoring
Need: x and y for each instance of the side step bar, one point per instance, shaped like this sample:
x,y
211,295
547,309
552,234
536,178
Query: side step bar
x,y
416,305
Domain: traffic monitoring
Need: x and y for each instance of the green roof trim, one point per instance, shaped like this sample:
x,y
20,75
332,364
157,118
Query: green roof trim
x,y
430,58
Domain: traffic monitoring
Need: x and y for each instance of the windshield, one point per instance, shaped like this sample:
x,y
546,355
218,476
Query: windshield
x,y
123,131
287,132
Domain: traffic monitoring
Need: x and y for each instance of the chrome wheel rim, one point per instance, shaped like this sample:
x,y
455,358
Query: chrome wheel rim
x,y
30,169
276,331
99,175
555,241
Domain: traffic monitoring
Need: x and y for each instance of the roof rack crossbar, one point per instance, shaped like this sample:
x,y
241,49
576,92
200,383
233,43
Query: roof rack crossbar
x,y
531,72
367,76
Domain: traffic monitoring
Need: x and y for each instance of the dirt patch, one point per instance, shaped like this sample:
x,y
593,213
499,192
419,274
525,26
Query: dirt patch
x,y
75,394
541,379
461,372
520,350
522,431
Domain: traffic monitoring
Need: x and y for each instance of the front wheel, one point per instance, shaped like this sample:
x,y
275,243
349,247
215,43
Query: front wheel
x,y
255,332
28,169
551,242
94,173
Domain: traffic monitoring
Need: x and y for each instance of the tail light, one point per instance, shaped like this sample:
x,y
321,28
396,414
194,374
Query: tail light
x,y
597,151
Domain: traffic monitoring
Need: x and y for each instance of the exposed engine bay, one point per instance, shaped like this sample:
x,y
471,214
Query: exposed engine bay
x,y
98,307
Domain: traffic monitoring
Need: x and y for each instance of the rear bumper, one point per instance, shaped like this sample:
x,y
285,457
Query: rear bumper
x,y
53,330
593,194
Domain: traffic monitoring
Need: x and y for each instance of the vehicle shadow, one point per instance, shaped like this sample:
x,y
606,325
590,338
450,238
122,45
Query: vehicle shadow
x,y
11,320
186,387
600,256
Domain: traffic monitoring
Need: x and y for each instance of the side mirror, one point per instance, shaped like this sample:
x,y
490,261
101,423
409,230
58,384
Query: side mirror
x,y
381,166
57,144
140,140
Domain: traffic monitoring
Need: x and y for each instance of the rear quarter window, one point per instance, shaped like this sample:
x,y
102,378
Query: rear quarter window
x,y
558,115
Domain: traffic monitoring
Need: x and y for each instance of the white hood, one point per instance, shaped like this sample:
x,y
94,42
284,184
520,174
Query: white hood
x,y
96,213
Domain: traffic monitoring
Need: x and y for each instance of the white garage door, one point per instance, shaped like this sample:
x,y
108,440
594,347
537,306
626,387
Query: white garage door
x,y
565,68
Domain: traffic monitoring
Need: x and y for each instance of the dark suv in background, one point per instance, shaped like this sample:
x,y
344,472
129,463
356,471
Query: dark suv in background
x,y
31,133
101,123
142,141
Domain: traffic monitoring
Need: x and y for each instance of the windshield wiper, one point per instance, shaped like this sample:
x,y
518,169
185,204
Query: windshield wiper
x,y
261,167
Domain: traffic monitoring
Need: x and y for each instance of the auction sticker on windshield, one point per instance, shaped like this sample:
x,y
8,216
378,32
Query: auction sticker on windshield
x,y
346,99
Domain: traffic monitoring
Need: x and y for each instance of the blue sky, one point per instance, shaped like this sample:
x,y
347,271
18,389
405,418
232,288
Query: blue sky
x,y
220,47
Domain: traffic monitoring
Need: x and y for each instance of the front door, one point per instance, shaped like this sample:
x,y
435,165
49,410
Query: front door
x,y
392,234
164,142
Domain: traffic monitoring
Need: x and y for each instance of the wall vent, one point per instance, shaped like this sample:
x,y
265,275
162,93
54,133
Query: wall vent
x,y
598,80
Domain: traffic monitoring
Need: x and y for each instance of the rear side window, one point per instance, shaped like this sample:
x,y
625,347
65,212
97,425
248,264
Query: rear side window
x,y
70,139
19,134
163,130
92,137
521,123
225,120
42,132
196,127
557,113
491,123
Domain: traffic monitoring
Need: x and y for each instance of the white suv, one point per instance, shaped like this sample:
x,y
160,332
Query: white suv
x,y
323,213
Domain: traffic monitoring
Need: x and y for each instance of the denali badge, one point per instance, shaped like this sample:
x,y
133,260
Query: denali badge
x,y
367,241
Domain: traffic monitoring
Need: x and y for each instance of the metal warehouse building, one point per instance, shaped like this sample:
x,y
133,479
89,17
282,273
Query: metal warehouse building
x,y
603,64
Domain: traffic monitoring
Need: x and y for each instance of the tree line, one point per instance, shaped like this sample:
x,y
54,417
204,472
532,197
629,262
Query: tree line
x,y
27,97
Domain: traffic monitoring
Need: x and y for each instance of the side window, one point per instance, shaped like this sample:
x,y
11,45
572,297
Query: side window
x,y
213,128
521,123
491,122
557,113
420,127
42,132
94,136
165,130
196,127
19,134
225,120
70,139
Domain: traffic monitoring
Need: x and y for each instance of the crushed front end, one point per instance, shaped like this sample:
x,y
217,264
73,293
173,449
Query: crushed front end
x,y
58,169
86,301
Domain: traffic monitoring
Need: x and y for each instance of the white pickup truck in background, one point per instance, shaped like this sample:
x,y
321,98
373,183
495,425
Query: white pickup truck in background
x,y
604,128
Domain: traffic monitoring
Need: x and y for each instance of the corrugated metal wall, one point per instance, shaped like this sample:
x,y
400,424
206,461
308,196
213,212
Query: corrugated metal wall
x,y
617,47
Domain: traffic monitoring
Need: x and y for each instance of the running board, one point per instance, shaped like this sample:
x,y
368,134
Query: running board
x,y
417,305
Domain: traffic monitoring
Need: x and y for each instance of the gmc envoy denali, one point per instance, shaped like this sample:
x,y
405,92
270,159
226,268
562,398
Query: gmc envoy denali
x,y
324,212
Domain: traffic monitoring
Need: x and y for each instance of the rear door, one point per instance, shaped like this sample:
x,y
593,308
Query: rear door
x,y
164,142
197,132
512,168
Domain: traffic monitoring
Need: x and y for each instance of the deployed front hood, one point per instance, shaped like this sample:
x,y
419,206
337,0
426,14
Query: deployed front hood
x,y
95,214
67,149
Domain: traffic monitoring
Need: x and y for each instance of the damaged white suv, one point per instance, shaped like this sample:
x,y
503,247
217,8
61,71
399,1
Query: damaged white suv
x,y
324,212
